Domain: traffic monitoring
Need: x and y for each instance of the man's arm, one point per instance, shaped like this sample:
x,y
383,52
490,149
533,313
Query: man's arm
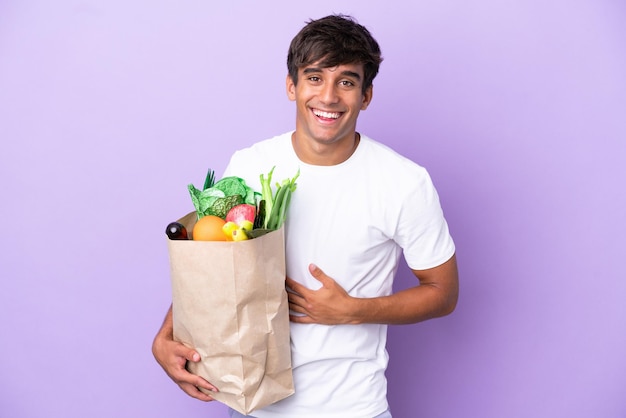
x,y
173,357
435,296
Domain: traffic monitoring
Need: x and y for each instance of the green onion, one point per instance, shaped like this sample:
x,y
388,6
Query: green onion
x,y
209,180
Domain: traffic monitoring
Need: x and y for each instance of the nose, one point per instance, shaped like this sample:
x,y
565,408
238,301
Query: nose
x,y
328,93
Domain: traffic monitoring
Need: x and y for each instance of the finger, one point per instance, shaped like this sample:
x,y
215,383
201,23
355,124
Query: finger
x,y
178,368
200,382
195,392
180,374
300,319
295,286
196,386
296,299
297,308
187,353
192,355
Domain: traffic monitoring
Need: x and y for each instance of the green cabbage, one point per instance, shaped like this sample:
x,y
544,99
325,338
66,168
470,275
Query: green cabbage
x,y
219,198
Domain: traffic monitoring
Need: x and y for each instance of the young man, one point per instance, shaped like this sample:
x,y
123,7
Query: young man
x,y
358,207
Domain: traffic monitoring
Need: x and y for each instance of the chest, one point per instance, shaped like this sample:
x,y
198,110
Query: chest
x,y
339,223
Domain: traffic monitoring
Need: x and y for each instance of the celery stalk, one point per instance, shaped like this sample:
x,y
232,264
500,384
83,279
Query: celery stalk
x,y
277,216
266,194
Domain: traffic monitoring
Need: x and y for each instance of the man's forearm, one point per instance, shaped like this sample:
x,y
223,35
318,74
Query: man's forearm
x,y
167,328
436,296
408,306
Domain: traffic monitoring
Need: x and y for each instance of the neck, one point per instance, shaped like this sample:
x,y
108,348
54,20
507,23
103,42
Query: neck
x,y
316,153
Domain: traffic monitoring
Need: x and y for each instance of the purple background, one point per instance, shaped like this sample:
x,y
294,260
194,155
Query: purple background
x,y
518,109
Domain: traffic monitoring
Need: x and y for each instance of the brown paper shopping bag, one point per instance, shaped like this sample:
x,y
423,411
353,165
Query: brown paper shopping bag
x,y
229,303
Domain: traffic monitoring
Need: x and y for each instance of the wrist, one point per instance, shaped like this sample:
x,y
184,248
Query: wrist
x,y
369,310
359,311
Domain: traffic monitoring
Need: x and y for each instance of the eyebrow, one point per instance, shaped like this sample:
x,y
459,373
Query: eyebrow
x,y
347,73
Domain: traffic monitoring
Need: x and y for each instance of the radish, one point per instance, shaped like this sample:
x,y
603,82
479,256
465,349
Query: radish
x,y
240,213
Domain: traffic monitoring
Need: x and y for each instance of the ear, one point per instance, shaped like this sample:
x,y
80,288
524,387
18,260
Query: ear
x,y
291,88
367,97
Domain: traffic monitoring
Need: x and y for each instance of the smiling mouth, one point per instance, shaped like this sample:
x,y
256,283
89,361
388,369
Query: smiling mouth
x,y
326,115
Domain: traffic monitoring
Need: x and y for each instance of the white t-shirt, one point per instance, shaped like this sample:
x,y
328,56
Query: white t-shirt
x,y
353,220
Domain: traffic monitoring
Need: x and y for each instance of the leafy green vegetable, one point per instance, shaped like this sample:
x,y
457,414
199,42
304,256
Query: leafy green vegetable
x,y
223,204
220,197
231,186
204,199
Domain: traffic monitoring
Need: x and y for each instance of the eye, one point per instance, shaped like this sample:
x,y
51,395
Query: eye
x,y
314,79
346,83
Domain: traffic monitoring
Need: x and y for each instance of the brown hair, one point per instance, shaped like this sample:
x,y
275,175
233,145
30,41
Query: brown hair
x,y
335,40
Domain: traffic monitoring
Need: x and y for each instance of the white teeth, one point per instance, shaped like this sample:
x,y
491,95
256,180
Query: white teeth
x,y
326,114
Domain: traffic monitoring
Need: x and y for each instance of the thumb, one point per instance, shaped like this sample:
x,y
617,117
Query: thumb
x,y
318,274
191,355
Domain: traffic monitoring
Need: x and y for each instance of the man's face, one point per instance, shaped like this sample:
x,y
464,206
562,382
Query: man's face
x,y
328,102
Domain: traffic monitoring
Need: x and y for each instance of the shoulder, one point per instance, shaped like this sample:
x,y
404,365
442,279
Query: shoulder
x,y
388,163
396,179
